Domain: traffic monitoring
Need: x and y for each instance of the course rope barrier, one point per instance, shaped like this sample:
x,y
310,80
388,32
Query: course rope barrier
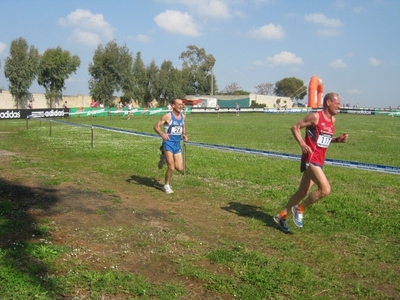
x,y
332,162
126,131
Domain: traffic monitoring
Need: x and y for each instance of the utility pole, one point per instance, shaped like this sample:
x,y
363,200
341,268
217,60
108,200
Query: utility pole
x,y
212,81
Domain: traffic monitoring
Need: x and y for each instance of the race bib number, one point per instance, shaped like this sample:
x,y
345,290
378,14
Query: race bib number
x,y
176,130
324,140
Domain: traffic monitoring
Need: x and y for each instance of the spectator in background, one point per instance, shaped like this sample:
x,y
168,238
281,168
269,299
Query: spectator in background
x,y
145,111
30,104
129,109
93,103
217,109
237,109
65,108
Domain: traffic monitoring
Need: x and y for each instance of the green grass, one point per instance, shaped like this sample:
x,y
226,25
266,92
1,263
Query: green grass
x,y
348,249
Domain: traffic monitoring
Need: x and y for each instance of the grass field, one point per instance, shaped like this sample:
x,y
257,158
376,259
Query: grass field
x,y
78,222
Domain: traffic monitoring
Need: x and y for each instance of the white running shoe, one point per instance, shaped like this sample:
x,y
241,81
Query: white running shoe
x,y
297,217
167,189
162,161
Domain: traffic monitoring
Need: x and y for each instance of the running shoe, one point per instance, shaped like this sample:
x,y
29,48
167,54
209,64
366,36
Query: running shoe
x,y
282,224
297,217
167,189
162,161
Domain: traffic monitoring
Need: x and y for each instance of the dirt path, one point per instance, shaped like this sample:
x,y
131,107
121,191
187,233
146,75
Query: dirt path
x,y
134,227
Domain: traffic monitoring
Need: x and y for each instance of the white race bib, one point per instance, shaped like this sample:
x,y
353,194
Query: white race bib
x,y
176,130
324,140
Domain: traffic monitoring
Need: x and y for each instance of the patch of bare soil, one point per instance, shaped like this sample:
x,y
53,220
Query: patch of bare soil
x,y
128,224
4,154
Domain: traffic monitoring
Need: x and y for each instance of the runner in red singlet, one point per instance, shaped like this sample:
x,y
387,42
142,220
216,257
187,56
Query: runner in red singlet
x,y
320,127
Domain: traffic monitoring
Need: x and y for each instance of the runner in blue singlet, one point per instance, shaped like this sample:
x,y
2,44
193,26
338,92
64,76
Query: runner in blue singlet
x,y
174,130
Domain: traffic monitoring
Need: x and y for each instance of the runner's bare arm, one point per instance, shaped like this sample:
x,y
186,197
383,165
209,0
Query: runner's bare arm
x,y
309,120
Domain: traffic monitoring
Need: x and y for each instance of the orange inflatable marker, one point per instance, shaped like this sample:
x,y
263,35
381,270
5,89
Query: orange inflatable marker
x,y
315,92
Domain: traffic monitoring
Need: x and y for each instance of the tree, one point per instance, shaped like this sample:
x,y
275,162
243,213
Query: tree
x,y
124,77
197,68
139,79
291,87
55,67
231,89
110,71
20,69
264,89
170,83
152,82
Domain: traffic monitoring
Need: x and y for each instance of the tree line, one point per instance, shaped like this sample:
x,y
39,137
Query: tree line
x,y
114,69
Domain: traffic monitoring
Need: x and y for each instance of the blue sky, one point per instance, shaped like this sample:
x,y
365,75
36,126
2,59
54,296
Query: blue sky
x,y
352,46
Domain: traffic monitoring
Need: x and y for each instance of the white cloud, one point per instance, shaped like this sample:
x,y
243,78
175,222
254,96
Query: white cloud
x,y
87,24
373,61
353,92
215,9
282,58
338,64
2,47
323,20
85,37
143,38
177,22
269,31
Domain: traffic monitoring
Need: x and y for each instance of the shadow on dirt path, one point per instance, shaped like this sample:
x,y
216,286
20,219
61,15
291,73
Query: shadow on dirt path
x,y
250,211
140,180
18,227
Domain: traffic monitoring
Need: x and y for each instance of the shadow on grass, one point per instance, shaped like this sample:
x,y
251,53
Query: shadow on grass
x,y
150,182
251,211
18,231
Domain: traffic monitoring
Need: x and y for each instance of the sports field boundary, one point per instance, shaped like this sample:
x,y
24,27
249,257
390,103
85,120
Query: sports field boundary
x,y
333,162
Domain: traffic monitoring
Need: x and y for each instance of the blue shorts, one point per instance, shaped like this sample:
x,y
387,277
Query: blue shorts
x,y
174,147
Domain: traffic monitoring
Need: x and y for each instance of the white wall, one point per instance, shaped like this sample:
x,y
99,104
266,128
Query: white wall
x,y
39,101
270,101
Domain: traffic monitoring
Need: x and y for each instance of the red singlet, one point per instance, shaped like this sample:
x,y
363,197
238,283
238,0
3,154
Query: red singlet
x,y
318,139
